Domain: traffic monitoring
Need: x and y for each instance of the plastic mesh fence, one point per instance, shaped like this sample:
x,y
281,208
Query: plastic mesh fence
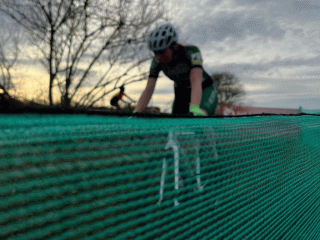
x,y
108,177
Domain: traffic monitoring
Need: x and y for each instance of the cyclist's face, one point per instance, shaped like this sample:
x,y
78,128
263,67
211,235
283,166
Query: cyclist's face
x,y
164,56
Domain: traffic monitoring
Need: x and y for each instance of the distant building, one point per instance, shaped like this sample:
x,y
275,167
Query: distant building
x,y
232,110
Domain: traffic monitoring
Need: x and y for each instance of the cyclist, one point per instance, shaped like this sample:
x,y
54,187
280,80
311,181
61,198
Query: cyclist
x,y
194,90
119,96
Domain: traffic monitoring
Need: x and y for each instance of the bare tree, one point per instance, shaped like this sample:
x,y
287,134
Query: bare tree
x,y
230,91
9,53
76,37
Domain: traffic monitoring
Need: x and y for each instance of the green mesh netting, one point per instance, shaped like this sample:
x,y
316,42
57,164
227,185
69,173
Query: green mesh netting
x,y
307,111
108,177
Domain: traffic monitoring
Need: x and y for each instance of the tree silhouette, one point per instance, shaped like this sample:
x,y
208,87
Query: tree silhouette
x,y
230,91
74,38
9,54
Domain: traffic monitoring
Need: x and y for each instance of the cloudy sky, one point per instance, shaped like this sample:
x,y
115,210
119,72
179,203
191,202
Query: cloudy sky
x,y
272,46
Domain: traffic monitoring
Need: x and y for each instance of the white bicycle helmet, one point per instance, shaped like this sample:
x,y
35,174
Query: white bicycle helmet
x,y
162,37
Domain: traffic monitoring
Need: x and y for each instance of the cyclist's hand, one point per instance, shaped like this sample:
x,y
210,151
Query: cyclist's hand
x,y
196,111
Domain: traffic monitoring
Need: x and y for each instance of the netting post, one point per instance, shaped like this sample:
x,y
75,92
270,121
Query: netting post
x,y
163,175
198,172
172,143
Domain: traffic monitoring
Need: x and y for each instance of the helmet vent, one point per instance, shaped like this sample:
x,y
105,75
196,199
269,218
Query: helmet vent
x,y
168,40
161,43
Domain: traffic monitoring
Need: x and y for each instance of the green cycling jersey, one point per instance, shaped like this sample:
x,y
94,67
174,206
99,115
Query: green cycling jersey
x,y
185,58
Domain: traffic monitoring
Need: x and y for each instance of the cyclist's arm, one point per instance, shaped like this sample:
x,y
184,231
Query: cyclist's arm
x,y
124,101
196,85
128,97
146,95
